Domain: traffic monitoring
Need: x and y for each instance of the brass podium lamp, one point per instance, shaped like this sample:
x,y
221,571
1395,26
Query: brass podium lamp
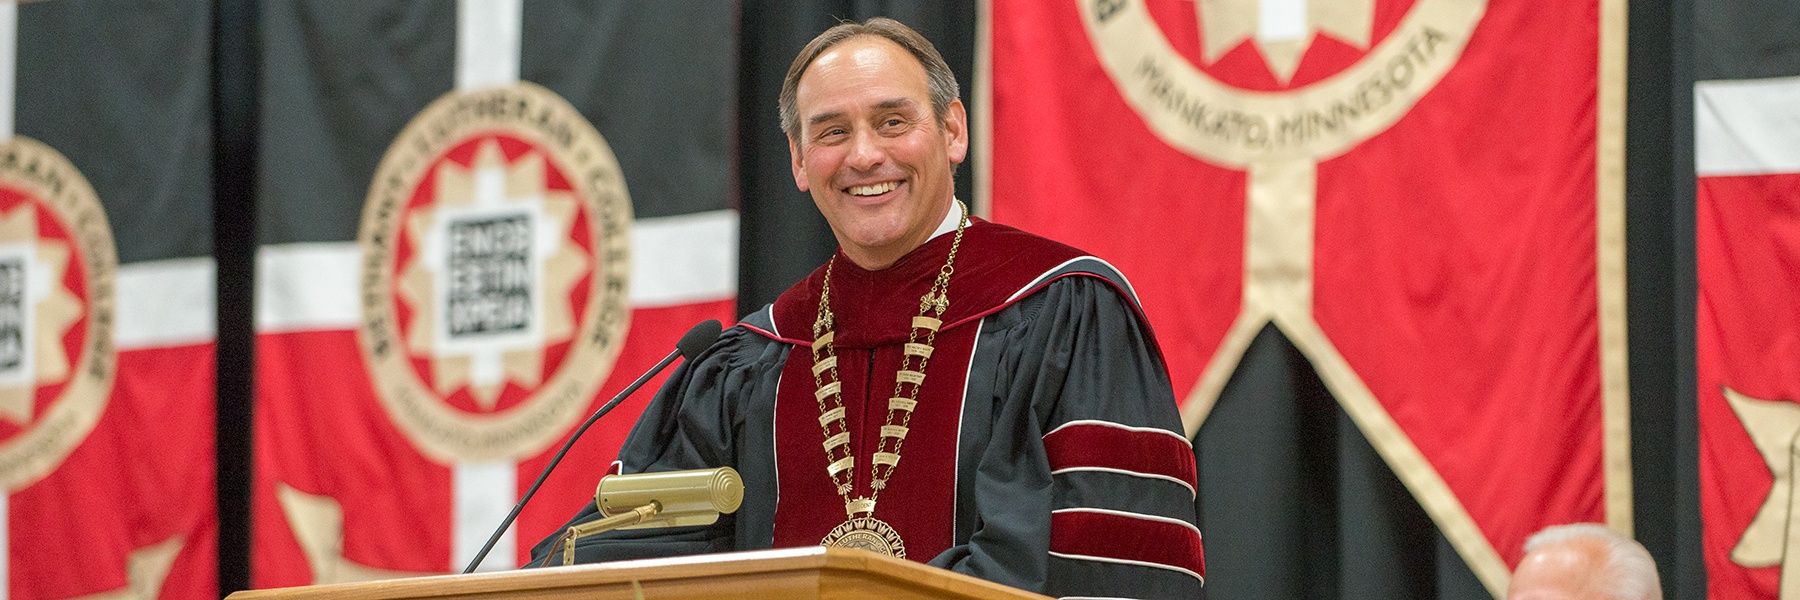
x,y
649,500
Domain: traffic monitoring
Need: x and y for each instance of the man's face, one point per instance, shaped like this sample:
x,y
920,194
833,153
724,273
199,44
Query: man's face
x,y
876,160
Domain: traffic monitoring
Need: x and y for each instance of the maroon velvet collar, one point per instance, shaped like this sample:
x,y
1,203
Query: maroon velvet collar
x,y
872,308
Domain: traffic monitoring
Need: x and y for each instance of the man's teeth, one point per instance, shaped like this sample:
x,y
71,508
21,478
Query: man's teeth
x,y
874,190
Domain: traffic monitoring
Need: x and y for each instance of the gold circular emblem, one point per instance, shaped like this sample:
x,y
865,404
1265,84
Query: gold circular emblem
x,y
496,241
866,533
57,264
1215,121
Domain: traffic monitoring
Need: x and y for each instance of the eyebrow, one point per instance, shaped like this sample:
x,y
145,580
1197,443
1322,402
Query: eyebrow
x,y
894,103
889,104
823,117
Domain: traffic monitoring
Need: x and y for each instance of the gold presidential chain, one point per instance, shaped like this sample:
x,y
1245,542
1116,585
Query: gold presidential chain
x,y
866,531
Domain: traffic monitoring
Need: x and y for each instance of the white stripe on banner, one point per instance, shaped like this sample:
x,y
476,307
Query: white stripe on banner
x,y
487,43
1747,127
484,493
684,259
165,303
675,260
307,287
487,55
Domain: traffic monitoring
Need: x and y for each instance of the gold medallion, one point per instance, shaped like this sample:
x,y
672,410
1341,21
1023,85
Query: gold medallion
x,y
867,533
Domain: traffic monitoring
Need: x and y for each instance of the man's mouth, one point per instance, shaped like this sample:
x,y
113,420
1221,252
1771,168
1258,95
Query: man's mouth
x,y
876,189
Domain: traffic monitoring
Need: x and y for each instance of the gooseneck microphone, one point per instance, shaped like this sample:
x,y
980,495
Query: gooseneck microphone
x,y
692,343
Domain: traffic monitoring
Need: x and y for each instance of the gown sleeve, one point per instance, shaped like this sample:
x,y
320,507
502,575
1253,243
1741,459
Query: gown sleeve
x,y
1084,431
695,421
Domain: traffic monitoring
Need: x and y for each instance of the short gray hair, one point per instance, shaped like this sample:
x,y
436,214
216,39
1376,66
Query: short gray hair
x,y
939,81
1629,573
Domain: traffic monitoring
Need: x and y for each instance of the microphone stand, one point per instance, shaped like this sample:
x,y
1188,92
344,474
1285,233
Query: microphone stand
x,y
684,347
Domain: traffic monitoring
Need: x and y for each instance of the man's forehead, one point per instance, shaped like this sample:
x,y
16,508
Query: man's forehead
x,y
873,57
865,49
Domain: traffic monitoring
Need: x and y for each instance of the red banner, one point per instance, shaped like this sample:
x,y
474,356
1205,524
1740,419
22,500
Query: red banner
x,y
106,303
332,454
1421,212
1747,239
484,267
106,441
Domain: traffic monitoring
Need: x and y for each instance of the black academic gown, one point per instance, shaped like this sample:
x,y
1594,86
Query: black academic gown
x,y
1045,452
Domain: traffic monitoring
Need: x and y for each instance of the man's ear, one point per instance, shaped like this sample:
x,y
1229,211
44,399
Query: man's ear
x,y
956,128
797,163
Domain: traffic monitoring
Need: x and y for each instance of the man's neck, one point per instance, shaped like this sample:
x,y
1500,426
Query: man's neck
x,y
953,216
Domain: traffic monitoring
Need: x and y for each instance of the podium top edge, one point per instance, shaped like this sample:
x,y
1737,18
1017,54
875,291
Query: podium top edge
x,y
810,563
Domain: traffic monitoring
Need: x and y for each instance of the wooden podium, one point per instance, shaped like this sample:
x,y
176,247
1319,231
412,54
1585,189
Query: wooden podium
x,y
800,573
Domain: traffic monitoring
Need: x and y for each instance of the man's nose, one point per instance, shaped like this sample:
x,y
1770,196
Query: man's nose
x,y
866,151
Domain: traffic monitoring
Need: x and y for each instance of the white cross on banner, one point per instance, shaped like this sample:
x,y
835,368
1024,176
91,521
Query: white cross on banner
x,y
505,255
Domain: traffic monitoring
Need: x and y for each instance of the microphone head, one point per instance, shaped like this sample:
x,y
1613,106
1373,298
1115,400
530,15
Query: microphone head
x,y
698,339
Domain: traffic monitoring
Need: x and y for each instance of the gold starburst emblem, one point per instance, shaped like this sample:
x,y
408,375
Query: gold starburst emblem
x,y
1215,121
496,272
476,319
37,311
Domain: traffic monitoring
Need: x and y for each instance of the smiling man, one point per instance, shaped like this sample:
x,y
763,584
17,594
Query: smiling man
x,y
1014,375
